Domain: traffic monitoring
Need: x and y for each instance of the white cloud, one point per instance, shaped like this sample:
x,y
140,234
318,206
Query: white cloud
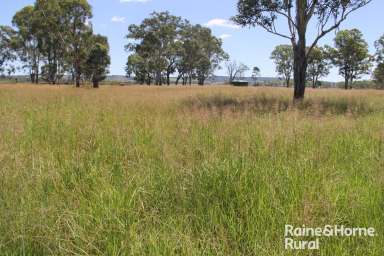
x,y
136,1
221,23
118,19
225,36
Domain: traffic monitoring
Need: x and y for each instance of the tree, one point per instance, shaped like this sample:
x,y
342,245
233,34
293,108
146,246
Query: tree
x,y
235,70
232,70
157,39
282,55
243,68
379,75
379,44
210,53
50,28
98,60
186,64
318,65
379,71
255,73
351,55
78,31
7,49
28,43
164,44
328,14
55,38
136,65
200,54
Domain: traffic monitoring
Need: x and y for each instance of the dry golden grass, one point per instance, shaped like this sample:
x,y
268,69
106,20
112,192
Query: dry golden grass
x,y
213,170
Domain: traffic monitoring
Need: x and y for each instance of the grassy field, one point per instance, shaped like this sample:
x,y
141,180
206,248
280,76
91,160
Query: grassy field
x,y
187,171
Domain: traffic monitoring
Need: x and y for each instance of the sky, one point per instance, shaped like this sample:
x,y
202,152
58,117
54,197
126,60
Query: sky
x,y
251,46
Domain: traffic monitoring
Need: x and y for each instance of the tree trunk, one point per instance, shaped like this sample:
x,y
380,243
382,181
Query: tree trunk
x,y
95,84
300,70
346,83
178,79
300,62
288,82
32,78
77,80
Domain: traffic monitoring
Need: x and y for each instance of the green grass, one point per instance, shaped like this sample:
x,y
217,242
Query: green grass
x,y
187,171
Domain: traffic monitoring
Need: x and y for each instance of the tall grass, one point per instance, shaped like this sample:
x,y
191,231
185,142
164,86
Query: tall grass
x,y
187,171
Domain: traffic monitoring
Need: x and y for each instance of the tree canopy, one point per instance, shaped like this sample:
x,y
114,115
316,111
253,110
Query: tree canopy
x,y
52,40
255,73
282,55
318,65
351,55
98,60
7,46
327,15
379,71
379,75
379,44
164,44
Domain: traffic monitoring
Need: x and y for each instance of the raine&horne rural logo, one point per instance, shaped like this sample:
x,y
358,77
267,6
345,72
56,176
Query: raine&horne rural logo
x,y
296,238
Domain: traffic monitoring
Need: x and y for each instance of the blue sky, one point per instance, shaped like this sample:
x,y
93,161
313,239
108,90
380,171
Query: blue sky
x,y
250,46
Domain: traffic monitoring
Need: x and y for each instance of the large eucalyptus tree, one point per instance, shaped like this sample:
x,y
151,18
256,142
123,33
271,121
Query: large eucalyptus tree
x,y
327,14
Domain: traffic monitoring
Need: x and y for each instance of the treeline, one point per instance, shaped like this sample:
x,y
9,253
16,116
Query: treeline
x,y
163,45
350,55
53,39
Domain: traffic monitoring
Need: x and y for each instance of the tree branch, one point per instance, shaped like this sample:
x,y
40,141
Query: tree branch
x,y
343,17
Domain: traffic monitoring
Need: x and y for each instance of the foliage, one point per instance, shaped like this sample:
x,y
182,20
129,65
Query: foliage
x,y
379,71
27,43
379,44
53,39
318,65
379,75
210,52
164,44
327,16
350,55
282,55
76,14
98,60
156,40
7,53
200,54
255,73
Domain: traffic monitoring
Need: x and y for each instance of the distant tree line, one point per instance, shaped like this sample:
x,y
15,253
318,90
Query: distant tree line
x,y
163,45
53,39
350,55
